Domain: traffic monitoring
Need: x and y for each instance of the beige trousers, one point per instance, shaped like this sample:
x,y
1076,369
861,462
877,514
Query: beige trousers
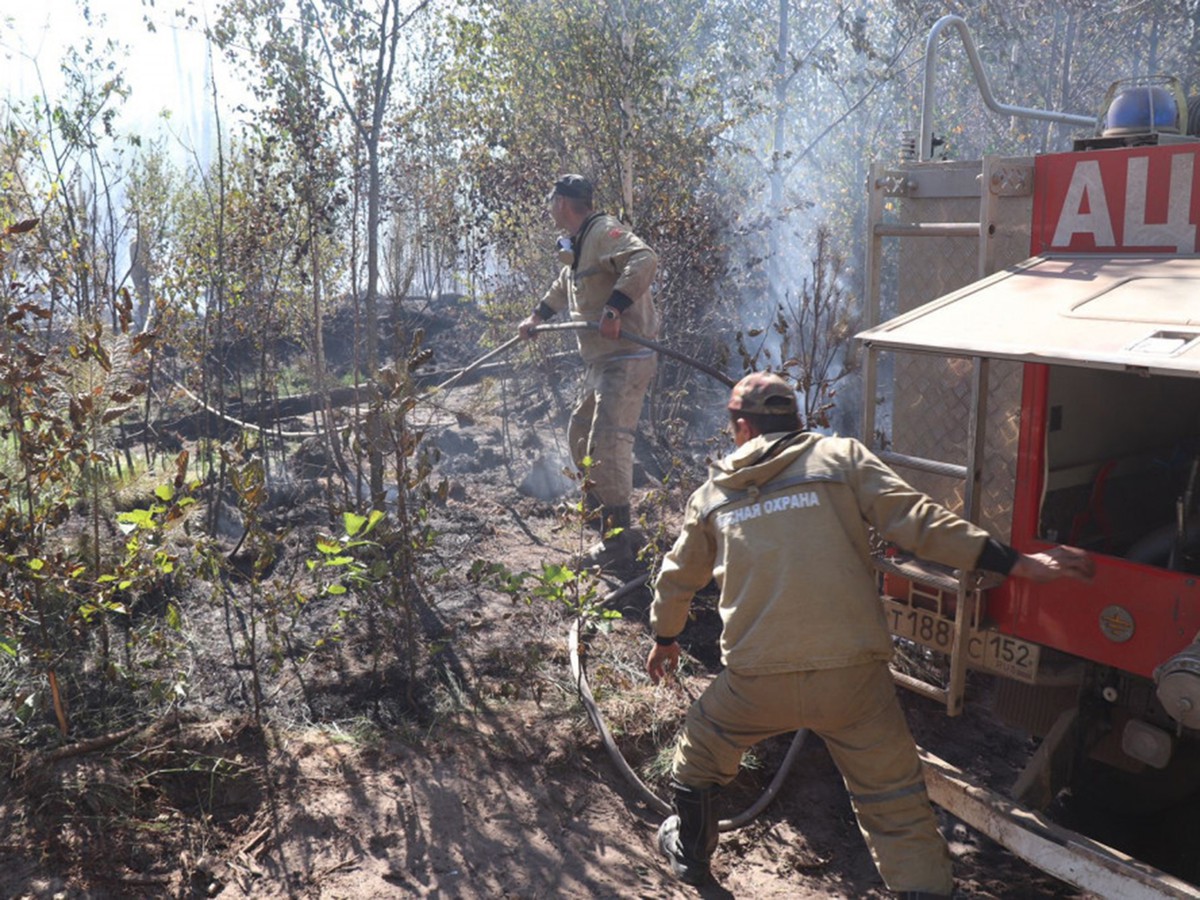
x,y
604,421
856,713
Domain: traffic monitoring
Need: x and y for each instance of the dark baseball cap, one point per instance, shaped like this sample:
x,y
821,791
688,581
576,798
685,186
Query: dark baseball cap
x,y
763,393
574,186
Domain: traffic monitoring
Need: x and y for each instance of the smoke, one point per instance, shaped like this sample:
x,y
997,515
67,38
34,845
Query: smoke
x,y
547,479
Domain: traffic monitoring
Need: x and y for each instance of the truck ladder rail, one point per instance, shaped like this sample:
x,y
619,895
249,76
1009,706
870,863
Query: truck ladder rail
x,y
1057,851
928,229
969,601
918,571
969,596
920,464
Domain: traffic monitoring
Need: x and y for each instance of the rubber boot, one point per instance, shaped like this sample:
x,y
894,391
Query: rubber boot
x,y
689,837
593,512
615,550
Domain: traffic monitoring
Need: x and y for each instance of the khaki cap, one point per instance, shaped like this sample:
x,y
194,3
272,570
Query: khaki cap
x,y
763,393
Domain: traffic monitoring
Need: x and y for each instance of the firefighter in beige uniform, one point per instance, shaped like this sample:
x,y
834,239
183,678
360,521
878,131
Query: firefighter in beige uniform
x,y
782,525
606,276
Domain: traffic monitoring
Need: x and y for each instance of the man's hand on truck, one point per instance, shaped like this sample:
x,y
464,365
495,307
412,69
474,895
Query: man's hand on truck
x,y
1055,563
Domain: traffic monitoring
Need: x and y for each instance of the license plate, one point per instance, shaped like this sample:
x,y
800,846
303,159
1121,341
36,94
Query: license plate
x,y
986,649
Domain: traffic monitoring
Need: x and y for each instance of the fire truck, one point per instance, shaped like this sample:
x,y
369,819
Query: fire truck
x,y
1032,360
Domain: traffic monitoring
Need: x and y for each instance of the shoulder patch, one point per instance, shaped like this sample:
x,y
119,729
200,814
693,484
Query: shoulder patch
x,y
615,232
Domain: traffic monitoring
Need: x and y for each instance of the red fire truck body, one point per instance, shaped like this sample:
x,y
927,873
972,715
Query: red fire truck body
x,y
1064,380
1032,361
1106,202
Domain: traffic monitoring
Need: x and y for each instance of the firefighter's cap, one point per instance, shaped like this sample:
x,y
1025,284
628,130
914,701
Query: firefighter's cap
x,y
764,394
574,186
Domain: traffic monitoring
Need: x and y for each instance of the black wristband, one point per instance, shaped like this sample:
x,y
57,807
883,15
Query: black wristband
x,y
543,311
620,301
663,641
997,557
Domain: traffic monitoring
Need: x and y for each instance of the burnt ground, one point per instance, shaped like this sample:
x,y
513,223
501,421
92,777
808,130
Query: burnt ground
x,y
482,775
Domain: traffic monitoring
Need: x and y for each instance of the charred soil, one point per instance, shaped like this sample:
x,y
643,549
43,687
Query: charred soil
x,y
471,771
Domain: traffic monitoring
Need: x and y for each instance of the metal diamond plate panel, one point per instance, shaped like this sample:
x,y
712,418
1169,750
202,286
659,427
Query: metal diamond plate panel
x,y
929,397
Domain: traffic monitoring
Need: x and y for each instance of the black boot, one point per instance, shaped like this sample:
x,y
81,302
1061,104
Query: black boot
x,y
689,838
922,895
593,512
615,551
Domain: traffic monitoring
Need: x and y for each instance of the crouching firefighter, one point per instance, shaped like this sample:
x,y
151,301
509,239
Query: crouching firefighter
x,y
782,524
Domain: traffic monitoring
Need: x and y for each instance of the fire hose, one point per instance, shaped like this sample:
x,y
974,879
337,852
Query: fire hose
x,y
581,682
647,795
656,346
503,348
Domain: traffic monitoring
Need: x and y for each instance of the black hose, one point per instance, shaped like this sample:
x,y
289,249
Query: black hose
x,y
645,342
652,799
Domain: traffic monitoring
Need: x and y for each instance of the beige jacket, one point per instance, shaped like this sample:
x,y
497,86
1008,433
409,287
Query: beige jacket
x,y
786,539
611,257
